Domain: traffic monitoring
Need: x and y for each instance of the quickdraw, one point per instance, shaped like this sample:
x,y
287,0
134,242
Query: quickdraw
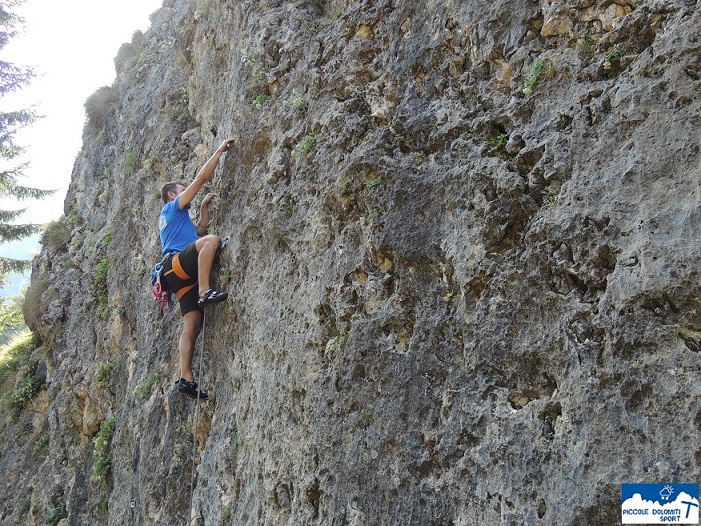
x,y
160,295
160,291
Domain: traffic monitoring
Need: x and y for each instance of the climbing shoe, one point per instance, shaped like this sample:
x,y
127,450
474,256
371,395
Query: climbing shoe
x,y
190,389
210,297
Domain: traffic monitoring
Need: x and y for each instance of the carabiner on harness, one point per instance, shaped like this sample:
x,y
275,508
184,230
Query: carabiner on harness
x,y
160,295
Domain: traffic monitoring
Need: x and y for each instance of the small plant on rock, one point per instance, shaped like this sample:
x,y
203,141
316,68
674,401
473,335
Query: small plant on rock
x,y
57,233
103,374
129,162
143,391
612,56
27,386
251,58
176,112
129,53
102,462
150,163
306,145
538,72
202,10
550,197
296,101
41,442
342,339
33,307
56,514
372,183
108,236
100,105
469,134
586,46
27,389
226,274
259,101
497,143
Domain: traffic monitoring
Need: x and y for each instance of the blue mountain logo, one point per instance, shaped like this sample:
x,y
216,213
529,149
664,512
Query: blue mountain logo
x,y
660,503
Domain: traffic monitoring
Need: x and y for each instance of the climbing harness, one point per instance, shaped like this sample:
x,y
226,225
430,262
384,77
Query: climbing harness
x,y
197,422
160,290
177,269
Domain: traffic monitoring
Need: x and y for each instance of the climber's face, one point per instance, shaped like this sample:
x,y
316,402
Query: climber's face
x,y
175,193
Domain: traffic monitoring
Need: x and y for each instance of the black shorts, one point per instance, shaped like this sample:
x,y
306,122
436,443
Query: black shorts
x,y
180,274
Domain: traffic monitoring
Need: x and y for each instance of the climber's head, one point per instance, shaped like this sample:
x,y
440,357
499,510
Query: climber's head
x,y
170,191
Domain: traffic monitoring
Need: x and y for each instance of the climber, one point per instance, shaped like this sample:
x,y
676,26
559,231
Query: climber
x,y
189,253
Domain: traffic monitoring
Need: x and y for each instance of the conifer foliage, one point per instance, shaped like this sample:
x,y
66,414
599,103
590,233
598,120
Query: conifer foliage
x,y
12,78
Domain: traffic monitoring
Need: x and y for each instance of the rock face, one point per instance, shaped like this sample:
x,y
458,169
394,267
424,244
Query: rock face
x,y
463,269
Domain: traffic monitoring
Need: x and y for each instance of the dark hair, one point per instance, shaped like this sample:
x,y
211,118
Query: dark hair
x,y
167,188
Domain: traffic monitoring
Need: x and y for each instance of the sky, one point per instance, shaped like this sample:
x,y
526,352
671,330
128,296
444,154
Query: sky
x,y
71,46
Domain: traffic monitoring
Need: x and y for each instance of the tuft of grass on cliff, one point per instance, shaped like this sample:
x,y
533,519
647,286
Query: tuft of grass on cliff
x,y
16,340
11,356
19,381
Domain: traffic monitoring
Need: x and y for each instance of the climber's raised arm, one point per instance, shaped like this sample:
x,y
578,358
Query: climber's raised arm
x,y
203,175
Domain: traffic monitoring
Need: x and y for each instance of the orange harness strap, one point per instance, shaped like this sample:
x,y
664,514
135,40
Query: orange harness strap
x,y
177,268
181,292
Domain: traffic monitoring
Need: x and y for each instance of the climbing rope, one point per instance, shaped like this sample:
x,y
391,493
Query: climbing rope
x,y
222,245
197,422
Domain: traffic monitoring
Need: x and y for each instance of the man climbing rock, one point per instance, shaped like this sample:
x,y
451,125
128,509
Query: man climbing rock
x,y
189,253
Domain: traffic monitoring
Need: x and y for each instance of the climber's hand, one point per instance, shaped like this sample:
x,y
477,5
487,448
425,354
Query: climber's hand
x,y
225,145
208,199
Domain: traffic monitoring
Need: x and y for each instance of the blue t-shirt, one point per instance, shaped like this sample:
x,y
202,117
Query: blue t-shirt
x,y
175,227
